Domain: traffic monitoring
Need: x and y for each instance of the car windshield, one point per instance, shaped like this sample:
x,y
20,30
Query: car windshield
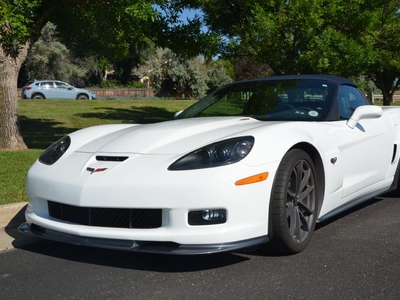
x,y
267,100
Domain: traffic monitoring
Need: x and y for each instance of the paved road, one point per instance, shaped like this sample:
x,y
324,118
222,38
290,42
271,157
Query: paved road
x,y
355,256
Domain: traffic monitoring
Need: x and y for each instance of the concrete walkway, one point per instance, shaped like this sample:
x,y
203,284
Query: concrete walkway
x,y
11,216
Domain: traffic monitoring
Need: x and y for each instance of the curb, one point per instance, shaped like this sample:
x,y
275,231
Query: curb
x,y
11,216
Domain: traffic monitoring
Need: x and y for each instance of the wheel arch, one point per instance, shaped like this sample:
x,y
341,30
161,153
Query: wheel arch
x,y
275,234
319,167
82,94
394,190
38,93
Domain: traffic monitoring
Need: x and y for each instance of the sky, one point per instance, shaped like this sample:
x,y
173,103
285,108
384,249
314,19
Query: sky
x,y
189,14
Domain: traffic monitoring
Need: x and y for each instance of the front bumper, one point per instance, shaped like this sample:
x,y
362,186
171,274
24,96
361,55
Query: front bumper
x,y
140,246
140,183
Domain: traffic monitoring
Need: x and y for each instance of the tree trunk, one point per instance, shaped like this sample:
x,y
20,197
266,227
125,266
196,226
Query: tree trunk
x,y
385,85
387,98
10,136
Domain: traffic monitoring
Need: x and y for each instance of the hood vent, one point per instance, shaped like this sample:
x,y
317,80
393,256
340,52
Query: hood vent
x,y
111,158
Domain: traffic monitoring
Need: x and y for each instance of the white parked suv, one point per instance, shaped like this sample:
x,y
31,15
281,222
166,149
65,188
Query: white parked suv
x,y
54,89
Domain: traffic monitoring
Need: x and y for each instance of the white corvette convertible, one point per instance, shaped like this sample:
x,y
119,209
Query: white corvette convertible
x,y
254,162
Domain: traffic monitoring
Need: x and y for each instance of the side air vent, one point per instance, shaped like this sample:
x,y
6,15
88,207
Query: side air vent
x,y
111,158
394,152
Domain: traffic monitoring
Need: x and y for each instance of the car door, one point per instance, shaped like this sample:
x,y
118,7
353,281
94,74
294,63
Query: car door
x,y
48,90
65,91
367,150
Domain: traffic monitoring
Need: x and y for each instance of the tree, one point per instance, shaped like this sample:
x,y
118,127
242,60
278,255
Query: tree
x,y
188,77
21,22
249,67
186,38
174,76
155,69
348,38
360,38
217,73
16,36
117,36
273,32
49,58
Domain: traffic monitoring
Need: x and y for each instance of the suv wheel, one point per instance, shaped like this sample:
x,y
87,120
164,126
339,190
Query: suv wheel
x,y
82,97
38,96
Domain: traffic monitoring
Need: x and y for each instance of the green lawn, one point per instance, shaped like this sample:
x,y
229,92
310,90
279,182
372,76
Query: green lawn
x,y
43,122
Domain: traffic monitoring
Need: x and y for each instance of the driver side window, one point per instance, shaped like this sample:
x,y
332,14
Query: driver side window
x,y
61,85
349,99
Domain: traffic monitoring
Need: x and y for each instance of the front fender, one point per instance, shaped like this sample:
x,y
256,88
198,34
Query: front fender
x,y
274,141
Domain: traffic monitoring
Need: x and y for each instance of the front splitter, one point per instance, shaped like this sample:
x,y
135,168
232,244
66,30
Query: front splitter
x,y
140,246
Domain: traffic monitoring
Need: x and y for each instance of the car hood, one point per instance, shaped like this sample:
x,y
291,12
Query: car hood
x,y
171,137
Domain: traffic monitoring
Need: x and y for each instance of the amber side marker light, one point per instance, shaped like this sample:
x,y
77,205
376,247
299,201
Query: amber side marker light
x,y
252,179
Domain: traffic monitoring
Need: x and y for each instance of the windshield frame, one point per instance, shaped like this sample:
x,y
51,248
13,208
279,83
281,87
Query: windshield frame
x,y
291,95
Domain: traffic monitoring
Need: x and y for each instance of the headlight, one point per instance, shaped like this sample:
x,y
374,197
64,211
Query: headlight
x,y
215,155
55,151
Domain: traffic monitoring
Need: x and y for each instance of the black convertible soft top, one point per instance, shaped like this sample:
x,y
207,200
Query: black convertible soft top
x,y
332,78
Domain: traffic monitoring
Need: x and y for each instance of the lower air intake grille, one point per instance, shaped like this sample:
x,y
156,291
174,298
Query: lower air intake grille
x,y
107,217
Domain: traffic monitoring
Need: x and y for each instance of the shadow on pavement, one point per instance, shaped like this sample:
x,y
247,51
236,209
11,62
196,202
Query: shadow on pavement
x,y
136,261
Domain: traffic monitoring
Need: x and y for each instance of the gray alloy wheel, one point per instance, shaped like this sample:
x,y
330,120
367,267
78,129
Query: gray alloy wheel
x,y
294,205
38,96
82,97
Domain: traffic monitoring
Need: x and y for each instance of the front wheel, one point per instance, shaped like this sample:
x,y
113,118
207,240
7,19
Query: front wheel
x,y
294,205
82,97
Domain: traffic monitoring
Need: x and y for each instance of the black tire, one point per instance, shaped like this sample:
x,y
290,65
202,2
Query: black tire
x,y
82,97
294,203
38,96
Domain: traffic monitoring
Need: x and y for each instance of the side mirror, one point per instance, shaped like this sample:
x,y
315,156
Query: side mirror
x,y
364,112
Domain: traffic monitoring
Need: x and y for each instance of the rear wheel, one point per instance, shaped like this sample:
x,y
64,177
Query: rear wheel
x,y
38,96
294,205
